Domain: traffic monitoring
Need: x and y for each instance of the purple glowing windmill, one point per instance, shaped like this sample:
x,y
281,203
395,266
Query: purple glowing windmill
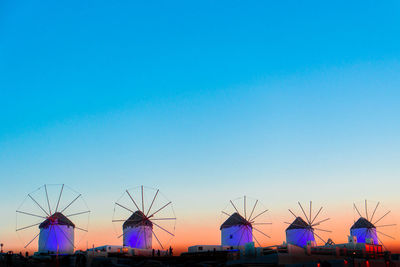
x,y
365,228
142,213
302,232
244,225
52,213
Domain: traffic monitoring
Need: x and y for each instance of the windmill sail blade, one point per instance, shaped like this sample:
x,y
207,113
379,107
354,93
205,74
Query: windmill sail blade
x,y
255,204
316,215
47,197
372,216
234,207
304,213
357,210
366,209
132,200
318,223
157,239
26,227
385,225
142,200
31,214
163,229
59,197
323,230
154,213
78,213
382,217
386,235
124,207
152,202
38,205
31,240
244,207
252,219
293,213
261,232
320,238
70,203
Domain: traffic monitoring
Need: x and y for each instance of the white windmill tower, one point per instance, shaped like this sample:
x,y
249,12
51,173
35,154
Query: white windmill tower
x,y
302,233
365,229
56,211
144,213
244,227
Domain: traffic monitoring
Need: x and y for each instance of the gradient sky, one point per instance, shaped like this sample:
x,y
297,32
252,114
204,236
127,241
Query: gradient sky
x,y
283,101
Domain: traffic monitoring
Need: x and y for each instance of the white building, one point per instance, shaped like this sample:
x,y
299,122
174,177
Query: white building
x,y
236,231
56,235
137,231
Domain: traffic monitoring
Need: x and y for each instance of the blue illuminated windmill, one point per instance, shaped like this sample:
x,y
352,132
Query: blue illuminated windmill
x,y
242,226
365,228
144,213
56,211
303,232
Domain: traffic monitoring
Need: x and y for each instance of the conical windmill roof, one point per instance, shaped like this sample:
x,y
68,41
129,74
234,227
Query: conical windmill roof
x,y
234,220
56,219
362,223
137,219
298,223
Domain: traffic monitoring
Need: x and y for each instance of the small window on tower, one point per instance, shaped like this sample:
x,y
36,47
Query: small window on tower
x,y
231,236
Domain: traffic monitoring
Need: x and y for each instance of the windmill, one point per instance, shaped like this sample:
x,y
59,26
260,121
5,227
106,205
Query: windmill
x,y
242,225
142,213
302,232
365,228
52,213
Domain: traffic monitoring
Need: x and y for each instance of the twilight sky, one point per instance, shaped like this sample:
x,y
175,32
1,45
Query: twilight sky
x,y
283,101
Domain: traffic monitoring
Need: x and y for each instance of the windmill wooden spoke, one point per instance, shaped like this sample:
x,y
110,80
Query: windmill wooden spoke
x,y
59,197
255,204
120,235
261,232
78,213
47,197
120,220
154,213
31,214
142,201
385,225
322,230
163,229
357,210
39,205
318,223
234,207
252,219
162,219
31,240
366,209
261,223
124,207
382,217
70,203
157,239
241,236
62,231
374,211
304,213
382,243
152,202
26,227
244,207
255,239
293,213
316,215
81,229
386,235
310,210
320,238
132,200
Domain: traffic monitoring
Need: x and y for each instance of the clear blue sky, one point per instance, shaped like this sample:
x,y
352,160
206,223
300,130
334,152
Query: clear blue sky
x,y
206,100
